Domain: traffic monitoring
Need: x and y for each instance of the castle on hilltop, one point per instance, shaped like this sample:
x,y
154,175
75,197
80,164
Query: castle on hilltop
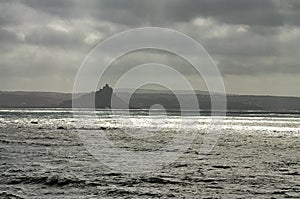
x,y
103,97
106,90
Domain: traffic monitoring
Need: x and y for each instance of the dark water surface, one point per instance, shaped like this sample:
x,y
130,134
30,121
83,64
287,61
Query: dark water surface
x,y
255,157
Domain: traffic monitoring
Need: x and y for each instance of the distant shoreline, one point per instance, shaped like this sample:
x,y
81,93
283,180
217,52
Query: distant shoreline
x,y
141,100
171,112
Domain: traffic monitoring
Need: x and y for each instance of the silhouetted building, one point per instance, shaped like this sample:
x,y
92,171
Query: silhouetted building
x,y
103,97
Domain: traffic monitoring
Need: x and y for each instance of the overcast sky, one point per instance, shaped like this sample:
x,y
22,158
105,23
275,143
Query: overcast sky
x,y
255,43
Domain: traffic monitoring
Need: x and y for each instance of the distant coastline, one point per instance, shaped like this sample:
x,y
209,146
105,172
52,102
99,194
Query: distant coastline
x,y
144,99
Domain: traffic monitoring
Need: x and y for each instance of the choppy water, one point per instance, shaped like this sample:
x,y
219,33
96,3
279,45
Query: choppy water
x,y
256,156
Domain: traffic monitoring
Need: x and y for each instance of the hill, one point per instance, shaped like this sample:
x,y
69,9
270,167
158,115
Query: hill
x,y
144,99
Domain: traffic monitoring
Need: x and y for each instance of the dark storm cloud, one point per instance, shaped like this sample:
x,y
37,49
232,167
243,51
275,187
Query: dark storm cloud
x,y
9,13
41,38
230,11
253,12
7,38
136,12
120,12
61,8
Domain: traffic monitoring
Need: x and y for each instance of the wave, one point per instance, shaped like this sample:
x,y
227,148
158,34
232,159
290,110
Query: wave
x,y
5,194
53,180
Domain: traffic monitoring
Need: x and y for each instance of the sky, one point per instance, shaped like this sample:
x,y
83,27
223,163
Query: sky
x,y
254,43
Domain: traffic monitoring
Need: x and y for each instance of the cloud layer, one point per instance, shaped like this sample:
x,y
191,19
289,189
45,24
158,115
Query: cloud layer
x,y
44,42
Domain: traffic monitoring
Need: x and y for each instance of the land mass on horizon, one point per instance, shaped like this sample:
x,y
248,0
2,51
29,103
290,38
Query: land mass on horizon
x,y
143,99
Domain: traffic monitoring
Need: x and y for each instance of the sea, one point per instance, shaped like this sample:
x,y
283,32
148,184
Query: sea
x,y
44,154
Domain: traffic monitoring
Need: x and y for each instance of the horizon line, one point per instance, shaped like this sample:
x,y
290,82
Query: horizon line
x,y
231,94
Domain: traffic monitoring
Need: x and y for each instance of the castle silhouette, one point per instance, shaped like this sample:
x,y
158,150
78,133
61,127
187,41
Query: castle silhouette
x,y
102,99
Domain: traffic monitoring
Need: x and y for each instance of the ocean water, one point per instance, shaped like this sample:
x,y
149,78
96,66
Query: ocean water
x,y
256,156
